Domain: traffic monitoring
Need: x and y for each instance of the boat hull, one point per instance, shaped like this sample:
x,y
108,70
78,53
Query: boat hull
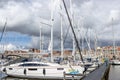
x,y
55,72
115,62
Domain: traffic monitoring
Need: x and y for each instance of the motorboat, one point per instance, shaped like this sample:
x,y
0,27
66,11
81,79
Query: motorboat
x,y
115,62
41,70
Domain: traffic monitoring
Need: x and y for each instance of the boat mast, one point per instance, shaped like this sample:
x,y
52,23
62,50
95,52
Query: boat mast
x,y
62,46
71,25
62,40
95,43
72,19
51,31
40,39
113,38
89,41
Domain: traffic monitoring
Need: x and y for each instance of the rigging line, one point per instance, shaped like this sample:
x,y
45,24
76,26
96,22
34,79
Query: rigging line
x,y
66,34
65,37
4,27
73,30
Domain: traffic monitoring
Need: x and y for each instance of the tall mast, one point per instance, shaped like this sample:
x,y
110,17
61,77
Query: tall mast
x,y
113,38
95,43
40,39
81,35
42,46
89,53
72,19
62,46
51,31
61,20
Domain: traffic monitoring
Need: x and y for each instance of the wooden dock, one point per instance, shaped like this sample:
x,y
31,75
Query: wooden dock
x,y
98,74
92,73
72,76
79,76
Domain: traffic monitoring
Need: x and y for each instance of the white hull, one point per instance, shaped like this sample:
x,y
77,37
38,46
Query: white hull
x,y
43,72
115,62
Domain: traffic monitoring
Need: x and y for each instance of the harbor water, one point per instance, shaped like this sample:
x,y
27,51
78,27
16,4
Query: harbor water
x,y
114,74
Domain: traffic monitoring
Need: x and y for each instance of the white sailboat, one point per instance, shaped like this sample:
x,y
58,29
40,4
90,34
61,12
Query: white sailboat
x,y
114,61
42,70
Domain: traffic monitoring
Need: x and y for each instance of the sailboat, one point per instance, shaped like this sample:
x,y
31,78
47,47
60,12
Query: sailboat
x,y
42,70
114,61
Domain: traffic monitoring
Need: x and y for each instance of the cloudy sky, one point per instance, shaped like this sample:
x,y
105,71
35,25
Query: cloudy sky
x,y
91,18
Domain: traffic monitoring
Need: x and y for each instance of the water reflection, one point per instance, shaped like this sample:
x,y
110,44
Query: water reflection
x,y
114,72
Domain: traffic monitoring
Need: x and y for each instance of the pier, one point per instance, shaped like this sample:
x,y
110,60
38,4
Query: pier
x,y
93,73
100,73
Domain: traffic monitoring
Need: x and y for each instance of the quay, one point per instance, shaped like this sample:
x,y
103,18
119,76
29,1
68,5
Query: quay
x,y
101,73
93,73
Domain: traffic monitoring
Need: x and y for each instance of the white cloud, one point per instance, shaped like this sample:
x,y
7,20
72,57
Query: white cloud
x,y
8,47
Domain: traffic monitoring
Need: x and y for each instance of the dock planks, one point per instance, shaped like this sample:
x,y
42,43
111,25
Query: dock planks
x,y
96,74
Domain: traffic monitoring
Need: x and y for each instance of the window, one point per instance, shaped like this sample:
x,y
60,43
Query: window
x,y
33,64
10,68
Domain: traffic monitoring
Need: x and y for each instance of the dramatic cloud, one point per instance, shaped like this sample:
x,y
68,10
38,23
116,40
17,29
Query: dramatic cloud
x,y
95,17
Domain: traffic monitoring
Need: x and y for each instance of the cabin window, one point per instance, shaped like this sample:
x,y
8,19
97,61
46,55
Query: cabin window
x,y
60,68
33,64
32,69
10,68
